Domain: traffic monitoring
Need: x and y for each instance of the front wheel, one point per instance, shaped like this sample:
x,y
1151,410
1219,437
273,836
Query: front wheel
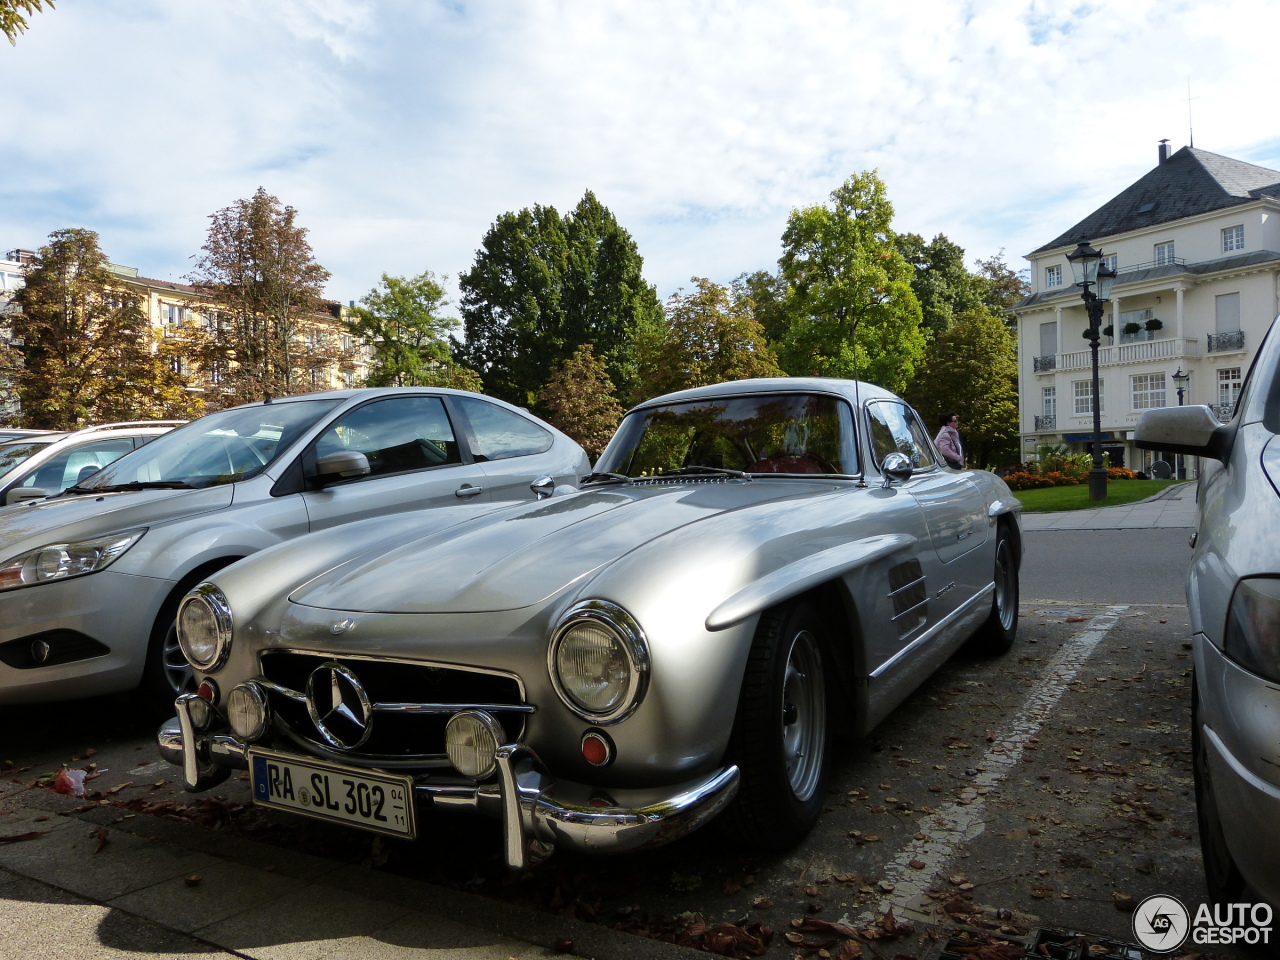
x,y
997,633
1221,875
781,738
167,672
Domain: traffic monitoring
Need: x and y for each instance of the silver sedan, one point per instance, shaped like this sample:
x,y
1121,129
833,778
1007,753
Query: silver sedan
x,y
752,567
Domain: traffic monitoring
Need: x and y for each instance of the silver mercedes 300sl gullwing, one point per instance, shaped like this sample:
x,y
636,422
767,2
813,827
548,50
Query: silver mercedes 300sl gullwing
x,y
753,567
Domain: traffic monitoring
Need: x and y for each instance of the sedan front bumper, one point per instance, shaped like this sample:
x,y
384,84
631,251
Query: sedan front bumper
x,y
533,807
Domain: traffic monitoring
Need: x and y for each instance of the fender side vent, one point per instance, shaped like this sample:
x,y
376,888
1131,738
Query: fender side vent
x,y
910,599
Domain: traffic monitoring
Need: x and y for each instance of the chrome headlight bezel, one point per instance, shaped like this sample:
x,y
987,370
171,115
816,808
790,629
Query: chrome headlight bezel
x,y
69,559
623,629
219,608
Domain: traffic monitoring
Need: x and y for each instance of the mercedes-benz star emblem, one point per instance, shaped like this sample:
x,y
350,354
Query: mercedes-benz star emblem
x,y
339,706
341,626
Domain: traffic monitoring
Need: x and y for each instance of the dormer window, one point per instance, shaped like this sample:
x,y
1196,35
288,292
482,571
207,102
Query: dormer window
x,y
1053,275
1233,238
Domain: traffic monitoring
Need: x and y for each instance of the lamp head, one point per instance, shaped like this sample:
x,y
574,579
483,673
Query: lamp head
x,y
1084,262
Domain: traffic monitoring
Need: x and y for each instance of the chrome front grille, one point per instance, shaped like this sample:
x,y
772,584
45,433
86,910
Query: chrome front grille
x,y
410,704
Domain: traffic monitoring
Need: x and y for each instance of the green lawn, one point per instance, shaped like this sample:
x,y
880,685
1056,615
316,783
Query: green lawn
x,y
1053,499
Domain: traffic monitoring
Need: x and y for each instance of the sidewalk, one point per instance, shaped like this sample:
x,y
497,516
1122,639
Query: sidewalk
x,y
1173,506
90,883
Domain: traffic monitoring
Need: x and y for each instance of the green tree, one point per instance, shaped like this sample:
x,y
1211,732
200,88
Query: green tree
x,y
84,350
853,312
259,282
403,319
972,370
709,336
12,16
766,294
940,281
1003,288
541,286
580,400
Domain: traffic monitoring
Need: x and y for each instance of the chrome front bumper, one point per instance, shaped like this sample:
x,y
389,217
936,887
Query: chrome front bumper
x,y
525,796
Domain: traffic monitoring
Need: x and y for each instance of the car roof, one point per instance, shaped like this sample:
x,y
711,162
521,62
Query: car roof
x,y
852,390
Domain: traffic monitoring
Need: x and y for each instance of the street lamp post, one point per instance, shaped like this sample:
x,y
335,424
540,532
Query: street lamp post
x,y
1086,265
1181,379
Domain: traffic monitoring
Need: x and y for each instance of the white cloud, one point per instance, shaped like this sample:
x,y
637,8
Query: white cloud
x,y
401,129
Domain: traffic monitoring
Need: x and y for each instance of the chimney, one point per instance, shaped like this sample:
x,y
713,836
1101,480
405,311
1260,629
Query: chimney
x,y
1163,150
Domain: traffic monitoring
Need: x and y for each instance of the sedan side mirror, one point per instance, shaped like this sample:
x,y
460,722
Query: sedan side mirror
x,y
896,467
543,487
342,465
1186,430
19,494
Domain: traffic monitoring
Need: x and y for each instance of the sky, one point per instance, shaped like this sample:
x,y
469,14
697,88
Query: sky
x,y
401,129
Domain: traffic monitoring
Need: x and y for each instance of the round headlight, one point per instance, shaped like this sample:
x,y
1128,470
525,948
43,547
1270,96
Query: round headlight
x,y
599,661
471,739
204,627
248,712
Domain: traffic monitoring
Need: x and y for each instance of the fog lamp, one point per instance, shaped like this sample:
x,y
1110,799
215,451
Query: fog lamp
x,y
471,739
248,712
200,711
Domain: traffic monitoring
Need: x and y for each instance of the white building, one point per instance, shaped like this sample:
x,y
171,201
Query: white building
x,y
1196,243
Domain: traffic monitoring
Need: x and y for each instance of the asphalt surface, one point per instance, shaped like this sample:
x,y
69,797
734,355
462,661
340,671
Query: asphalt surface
x,y
1047,790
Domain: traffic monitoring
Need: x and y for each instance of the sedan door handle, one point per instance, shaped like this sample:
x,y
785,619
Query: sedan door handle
x,y
467,490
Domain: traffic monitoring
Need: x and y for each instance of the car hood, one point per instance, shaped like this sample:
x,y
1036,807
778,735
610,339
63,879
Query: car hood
x,y
523,556
29,525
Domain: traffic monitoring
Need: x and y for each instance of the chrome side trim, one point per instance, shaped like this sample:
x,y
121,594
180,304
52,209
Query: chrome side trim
x,y
910,609
282,690
937,628
452,707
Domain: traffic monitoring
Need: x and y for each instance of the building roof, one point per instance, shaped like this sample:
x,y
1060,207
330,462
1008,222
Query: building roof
x,y
1188,183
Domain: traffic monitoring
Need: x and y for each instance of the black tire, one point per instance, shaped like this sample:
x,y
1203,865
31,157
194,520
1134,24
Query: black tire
x,y
997,633
166,672
781,739
1221,874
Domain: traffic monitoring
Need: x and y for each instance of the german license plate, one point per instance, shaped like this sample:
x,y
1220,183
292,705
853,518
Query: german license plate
x,y
357,797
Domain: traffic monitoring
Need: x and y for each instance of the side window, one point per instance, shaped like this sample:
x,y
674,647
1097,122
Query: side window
x,y
396,434
79,463
500,434
895,429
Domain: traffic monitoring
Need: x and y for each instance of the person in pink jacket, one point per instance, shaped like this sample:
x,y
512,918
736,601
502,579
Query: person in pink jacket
x,y
948,442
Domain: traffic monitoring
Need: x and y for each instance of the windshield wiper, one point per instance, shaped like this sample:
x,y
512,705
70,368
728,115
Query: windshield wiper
x,y
697,469
605,478
137,485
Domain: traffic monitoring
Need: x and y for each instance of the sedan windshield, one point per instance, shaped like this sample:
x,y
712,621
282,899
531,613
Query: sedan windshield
x,y
778,433
220,448
15,451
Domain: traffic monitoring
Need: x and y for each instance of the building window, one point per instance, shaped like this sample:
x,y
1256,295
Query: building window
x,y
172,313
1049,401
1113,261
1148,391
1233,238
1082,391
1053,275
1228,389
1226,313
1164,253
1140,317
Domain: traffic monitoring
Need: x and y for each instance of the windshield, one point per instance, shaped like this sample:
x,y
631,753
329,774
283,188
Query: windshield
x,y
779,433
15,451
220,448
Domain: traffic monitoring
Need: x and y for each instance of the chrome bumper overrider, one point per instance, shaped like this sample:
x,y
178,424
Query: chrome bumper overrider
x,y
523,796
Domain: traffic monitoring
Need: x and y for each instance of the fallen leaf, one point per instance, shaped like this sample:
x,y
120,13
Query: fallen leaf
x,y
19,837
102,840
120,786
193,880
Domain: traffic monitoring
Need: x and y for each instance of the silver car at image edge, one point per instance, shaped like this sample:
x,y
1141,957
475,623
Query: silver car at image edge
x,y
752,567
1233,592
90,581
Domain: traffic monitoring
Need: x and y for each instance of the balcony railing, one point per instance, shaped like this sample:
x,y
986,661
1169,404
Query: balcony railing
x,y
1218,342
1131,353
1046,423
1044,364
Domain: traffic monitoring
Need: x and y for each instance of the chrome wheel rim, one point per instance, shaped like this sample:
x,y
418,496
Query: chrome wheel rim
x,y
804,716
177,672
1006,586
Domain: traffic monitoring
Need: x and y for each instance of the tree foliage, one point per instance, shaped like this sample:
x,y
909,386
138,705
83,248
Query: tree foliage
x,y
260,280
709,335
1003,287
85,351
940,280
403,320
541,286
852,309
580,401
13,16
971,369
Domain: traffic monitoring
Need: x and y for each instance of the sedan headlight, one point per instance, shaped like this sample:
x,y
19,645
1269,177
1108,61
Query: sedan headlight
x,y
204,627
1252,636
60,561
599,661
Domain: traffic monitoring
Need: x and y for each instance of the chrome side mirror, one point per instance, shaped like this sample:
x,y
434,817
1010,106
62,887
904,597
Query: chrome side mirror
x,y
543,487
896,467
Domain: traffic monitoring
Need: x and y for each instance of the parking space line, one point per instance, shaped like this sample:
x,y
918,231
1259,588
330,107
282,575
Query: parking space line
x,y
961,820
